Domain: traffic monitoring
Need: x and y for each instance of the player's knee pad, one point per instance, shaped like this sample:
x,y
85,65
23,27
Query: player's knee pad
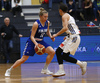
x,y
59,51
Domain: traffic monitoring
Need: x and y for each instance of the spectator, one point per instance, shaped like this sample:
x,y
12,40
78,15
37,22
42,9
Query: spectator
x,y
6,32
96,8
71,8
87,5
5,4
51,1
17,8
79,10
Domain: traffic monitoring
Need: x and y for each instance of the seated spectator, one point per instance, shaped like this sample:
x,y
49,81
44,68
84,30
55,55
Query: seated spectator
x,y
17,8
87,5
79,10
2,5
55,1
96,8
71,8
5,5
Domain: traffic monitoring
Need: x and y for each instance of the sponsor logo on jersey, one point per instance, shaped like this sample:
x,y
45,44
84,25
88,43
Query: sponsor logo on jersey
x,y
42,30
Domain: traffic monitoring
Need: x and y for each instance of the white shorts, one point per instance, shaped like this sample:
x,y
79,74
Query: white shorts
x,y
70,44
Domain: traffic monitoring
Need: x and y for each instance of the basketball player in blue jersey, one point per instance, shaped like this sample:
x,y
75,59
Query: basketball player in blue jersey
x,y
70,43
39,29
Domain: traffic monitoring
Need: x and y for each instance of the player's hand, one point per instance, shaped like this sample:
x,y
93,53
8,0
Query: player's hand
x,y
64,38
54,35
36,45
53,39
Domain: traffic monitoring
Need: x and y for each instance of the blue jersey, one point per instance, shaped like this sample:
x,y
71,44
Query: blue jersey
x,y
41,30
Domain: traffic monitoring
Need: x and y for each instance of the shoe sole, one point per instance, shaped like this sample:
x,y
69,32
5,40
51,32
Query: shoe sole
x,y
7,75
46,73
58,75
86,68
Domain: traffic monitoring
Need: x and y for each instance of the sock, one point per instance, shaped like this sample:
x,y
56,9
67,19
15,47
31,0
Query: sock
x,y
61,67
46,66
10,68
79,63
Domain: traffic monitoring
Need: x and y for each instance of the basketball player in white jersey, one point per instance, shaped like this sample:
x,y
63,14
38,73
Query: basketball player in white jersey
x,y
70,43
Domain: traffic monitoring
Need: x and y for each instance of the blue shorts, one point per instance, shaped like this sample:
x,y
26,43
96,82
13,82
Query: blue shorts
x,y
29,48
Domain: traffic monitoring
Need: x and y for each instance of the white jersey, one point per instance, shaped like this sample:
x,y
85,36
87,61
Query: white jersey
x,y
72,27
72,41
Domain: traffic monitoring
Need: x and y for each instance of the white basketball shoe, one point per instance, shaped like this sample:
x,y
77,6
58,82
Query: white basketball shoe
x,y
46,71
83,67
8,72
59,73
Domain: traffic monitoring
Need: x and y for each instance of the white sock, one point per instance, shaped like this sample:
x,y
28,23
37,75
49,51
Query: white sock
x,y
79,63
46,66
61,67
10,68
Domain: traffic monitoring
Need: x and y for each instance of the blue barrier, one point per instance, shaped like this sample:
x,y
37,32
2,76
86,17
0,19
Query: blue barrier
x,y
88,50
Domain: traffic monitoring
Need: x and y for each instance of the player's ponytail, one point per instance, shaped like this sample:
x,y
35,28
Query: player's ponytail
x,y
42,11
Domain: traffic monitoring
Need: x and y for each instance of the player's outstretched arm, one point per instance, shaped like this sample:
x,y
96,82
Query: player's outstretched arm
x,y
65,24
48,32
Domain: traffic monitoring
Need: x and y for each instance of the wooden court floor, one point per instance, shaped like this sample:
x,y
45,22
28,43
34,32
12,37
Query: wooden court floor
x,y
30,73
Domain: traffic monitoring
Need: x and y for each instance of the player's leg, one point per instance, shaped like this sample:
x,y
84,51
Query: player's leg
x,y
50,51
82,65
61,71
67,58
16,64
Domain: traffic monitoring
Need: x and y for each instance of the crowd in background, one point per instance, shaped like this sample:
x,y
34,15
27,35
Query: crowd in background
x,y
5,5
81,9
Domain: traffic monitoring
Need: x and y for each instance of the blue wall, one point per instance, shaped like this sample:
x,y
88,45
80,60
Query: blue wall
x,y
89,48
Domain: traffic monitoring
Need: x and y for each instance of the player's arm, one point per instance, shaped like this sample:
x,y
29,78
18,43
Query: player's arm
x,y
34,29
65,24
48,32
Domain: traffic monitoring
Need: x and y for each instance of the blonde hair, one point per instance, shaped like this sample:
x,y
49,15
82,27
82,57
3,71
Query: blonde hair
x,y
42,11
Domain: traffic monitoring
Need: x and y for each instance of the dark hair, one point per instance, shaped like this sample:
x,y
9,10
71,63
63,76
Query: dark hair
x,y
70,0
63,7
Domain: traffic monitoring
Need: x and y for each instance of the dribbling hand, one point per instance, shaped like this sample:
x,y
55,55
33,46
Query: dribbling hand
x,y
36,45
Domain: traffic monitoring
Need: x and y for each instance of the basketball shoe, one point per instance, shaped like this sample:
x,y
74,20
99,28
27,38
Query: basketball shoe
x,y
46,71
83,67
8,72
59,73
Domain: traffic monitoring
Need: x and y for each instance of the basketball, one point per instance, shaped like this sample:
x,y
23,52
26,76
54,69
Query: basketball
x,y
40,49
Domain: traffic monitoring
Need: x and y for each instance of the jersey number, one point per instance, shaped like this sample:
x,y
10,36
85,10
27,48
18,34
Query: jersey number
x,y
42,35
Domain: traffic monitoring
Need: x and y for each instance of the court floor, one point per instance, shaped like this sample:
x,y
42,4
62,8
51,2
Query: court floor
x,y
30,73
